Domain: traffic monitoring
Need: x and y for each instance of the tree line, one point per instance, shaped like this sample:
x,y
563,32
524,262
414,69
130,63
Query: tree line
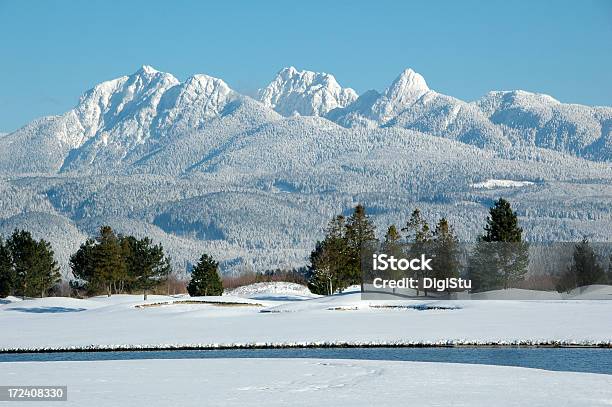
x,y
111,263
499,258
115,264
107,264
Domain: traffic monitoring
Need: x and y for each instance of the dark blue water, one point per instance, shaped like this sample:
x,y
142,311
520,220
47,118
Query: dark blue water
x,y
559,359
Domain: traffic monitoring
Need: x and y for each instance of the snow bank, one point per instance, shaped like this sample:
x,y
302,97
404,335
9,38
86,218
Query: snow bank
x,y
273,288
309,382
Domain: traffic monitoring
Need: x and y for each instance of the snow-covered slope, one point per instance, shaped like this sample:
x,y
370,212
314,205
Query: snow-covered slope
x,y
118,121
541,120
110,118
309,382
499,120
409,103
284,320
305,93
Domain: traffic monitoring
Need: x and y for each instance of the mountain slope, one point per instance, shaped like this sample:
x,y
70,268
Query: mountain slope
x,y
122,121
499,120
540,120
409,103
305,93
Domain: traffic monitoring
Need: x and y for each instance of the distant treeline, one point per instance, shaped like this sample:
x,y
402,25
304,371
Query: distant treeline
x,y
113,264
499,259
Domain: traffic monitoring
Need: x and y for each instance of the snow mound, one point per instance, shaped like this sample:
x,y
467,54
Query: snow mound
x,y
591,292
501,183
270,288
516,294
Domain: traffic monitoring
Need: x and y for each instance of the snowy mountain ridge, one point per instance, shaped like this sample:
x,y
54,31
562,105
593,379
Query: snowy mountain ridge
x,y
305,93
124,120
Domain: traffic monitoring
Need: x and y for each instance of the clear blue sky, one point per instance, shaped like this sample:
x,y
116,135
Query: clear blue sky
x,y
52,51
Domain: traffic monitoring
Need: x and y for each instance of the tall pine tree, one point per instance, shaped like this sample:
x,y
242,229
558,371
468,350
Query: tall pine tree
x,y
147,265
360,236
585,269
329,260
418,234
83,268
501,257
109,261
205,278
445,249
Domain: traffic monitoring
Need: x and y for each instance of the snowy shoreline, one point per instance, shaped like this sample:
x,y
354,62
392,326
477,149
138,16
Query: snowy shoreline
x,y
311,345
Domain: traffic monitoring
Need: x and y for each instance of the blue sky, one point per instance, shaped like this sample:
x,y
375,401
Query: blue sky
x,y
52,51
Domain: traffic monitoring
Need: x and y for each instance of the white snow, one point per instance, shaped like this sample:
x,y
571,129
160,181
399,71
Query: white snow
x,y
305,93
291,320
308,382
501,183
271,288
404,91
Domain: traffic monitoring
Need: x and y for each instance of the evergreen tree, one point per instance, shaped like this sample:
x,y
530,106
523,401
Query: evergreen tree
x,y
109,261
322,277
417,228
392,246
585,270
420,237
501,257
329,260
392,237
7,278
205,278
147,265
445,251
502,224
360,235
82,264
35,268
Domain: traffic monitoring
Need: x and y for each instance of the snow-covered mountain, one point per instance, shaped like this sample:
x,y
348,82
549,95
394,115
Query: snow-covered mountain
x,y
541,120
305,93
409,103
498,120
126,121
202,168
120,121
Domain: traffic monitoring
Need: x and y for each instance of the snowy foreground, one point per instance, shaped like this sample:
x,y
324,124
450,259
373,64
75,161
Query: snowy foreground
x,y
308,382
288,316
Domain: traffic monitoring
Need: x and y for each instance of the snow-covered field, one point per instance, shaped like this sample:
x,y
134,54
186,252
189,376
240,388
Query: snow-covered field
x,y
281,318
308,382
501,183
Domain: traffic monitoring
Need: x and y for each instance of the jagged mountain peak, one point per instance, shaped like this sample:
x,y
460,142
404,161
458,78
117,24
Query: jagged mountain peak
x,y
147,69
405,90
408,84
306,93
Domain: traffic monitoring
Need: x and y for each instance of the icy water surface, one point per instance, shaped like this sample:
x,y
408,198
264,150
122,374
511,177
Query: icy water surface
x,y
559,359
